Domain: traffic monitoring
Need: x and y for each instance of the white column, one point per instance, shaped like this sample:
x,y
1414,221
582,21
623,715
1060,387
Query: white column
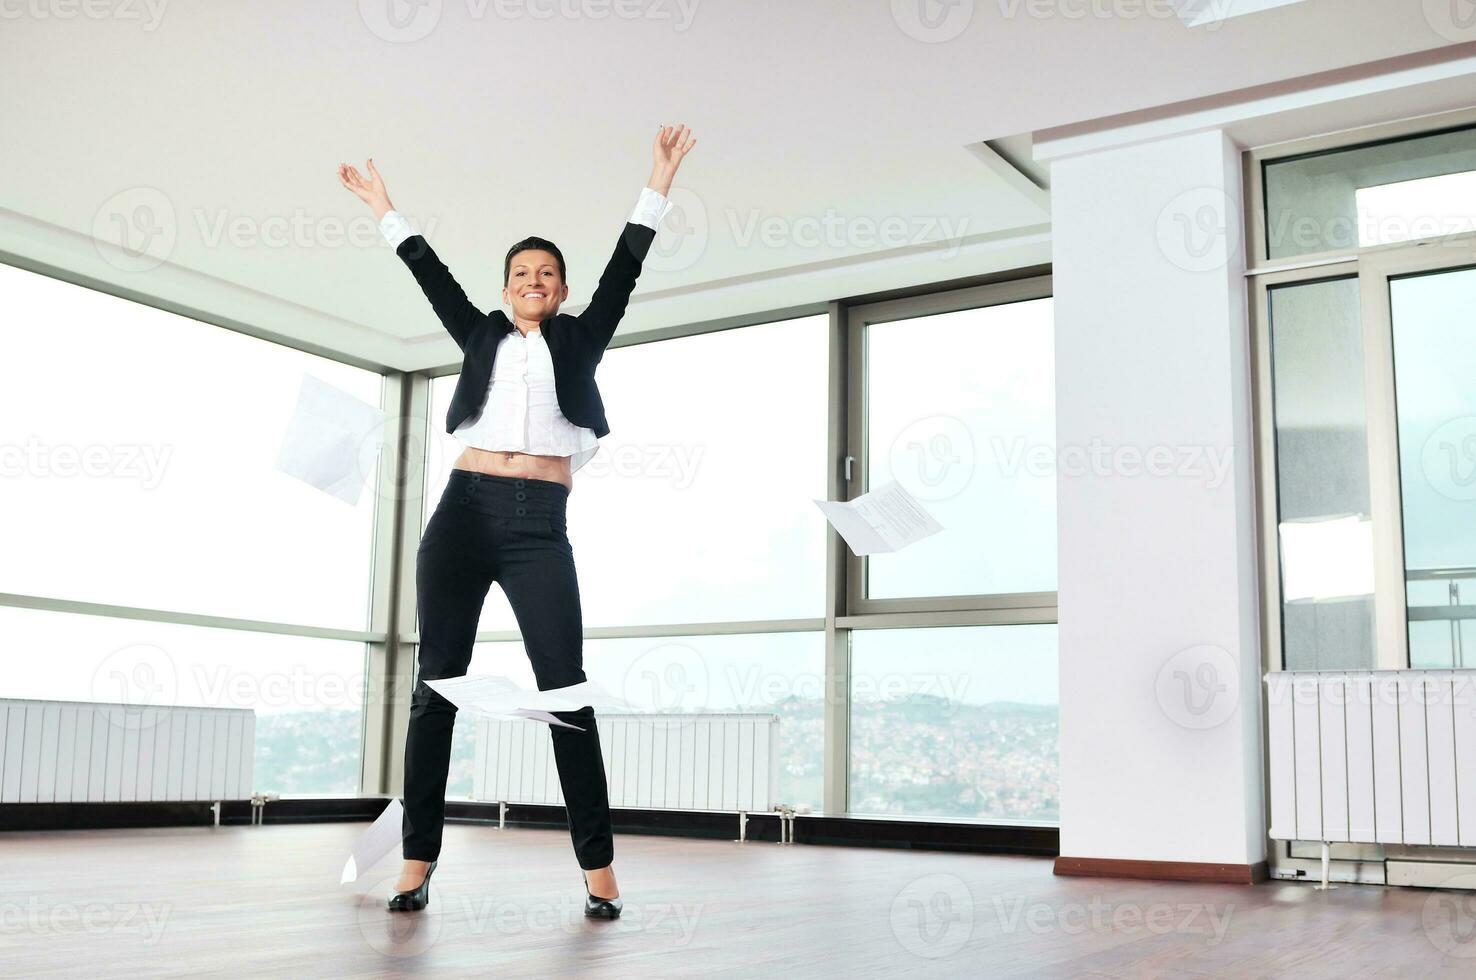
x,y
1159,647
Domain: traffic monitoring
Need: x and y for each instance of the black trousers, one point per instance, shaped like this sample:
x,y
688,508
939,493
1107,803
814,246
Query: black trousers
x,y
511,531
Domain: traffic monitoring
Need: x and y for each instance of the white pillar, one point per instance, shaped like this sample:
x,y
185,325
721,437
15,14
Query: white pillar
x,y
1159,635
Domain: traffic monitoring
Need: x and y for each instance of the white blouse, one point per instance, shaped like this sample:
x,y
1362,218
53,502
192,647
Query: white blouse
x,y
521,412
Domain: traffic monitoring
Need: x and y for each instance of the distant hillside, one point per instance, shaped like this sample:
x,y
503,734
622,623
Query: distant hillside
x,y
918,755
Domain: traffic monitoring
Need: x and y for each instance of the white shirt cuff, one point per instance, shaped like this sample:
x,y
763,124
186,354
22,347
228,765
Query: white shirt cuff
x,y
395,227
650,208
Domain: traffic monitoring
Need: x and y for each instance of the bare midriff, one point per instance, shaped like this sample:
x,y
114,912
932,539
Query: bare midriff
x,y
525,465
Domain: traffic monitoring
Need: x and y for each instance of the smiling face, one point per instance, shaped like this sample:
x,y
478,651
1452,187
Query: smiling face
x,y
534,286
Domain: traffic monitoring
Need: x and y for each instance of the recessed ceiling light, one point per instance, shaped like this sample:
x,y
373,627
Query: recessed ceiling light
x,y
1196,13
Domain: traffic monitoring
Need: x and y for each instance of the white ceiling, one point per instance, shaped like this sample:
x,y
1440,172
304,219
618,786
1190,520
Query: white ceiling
x,y
493,127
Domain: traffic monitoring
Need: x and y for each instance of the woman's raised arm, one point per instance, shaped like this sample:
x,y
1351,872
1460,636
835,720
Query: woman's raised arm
x,y
447,298
612,293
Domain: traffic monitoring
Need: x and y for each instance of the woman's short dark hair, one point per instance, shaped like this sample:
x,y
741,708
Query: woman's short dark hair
x,y
528,244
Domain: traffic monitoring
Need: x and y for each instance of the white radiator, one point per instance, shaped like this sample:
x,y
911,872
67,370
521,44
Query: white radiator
x,y
674,762
1376,757
85,752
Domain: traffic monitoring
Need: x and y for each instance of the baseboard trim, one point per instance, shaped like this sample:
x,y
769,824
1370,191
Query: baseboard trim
x,y
1230,874
105,816
859,831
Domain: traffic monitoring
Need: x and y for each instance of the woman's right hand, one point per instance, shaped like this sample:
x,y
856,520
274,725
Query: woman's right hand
x,y
370,191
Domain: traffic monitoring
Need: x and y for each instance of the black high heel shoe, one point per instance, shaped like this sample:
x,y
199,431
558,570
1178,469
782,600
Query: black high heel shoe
x,y
415,900
600,908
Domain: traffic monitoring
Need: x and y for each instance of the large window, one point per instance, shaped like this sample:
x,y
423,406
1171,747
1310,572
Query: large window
x,y
952,691
139,455
138,488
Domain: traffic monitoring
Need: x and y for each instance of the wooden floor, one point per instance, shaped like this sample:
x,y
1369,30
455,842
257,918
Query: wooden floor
x,y
266,901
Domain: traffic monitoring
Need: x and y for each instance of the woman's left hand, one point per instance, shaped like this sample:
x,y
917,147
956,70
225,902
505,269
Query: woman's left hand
x,y
673,143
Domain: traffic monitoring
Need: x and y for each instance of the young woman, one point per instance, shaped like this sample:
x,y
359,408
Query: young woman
x,y
527,408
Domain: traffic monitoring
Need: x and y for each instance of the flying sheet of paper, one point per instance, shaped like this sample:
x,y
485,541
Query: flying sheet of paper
x,y
497,696
332,440
885,519
383,836
533,714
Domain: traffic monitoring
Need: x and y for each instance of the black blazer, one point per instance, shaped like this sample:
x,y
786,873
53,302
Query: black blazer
x,y
576,343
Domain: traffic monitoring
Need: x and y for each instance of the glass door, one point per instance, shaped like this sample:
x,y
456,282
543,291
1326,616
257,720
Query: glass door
x,y
1421,322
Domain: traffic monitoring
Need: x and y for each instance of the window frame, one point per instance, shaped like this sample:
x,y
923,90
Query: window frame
x,y
1255,159
986,609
